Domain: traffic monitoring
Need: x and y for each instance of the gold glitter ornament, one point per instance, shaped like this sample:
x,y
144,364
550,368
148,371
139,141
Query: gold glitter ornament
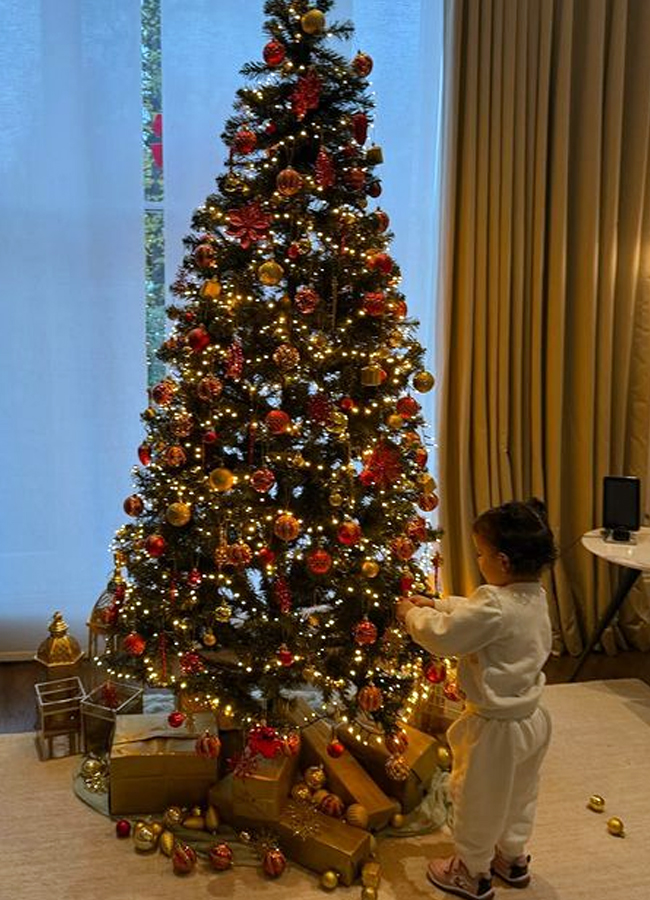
x,y
313,21
270,273
397,768
616,827
173,816
596,803
301,792
423,382
223,613
337,423
178,514
370,568
315,777
145,838
221,479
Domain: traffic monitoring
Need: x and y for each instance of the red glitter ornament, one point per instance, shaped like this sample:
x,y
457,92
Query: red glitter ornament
x,y
416,529
306,300
335,749
319,408
163,392
435,671
382,262
365,633
349,533
306,95
239,555
325,171
282,594
277,421
362,64
370,698
234,361
262,480
198,339
183,858
191,663
209,388
220,856
420,457
403,548
155,545
134,644
274,53
194,577
244,141
319,561
176,719
274,863
407,407
374,303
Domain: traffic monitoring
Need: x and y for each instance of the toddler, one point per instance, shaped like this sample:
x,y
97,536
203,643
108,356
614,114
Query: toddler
x,y
502,636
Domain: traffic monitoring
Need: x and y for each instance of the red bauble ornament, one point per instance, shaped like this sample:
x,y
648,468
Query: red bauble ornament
x,y
435,671
194,577
220,856
362,64
274,863
210,437
382,262
277,421
286,527
346,404
365,633
374,188
210,387
175,456
191,663
291,744
307,300
183,858
382,220
319,561
262,480
335,749
370,698
416,529
407,407
349,533
204,256
354,178
122,828
266,556
293,251
288,182
208,746
360,127
163,392
176,719
396,742
144,454
374,303
134,644
274,53
244,141
420,457
198,339
155,545
399,308
403,548
133,505
427,502
285,656
452,691
332,805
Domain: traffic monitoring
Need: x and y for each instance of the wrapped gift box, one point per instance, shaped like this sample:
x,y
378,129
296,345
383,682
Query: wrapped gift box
x,y
321,843
421,756
153,766
434,712
260,796
101,707
346,777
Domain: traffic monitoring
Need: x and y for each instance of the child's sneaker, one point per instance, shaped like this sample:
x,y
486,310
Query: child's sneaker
x,y
451,875
513,871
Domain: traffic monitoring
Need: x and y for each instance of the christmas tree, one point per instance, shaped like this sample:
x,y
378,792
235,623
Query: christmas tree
x,y
277,507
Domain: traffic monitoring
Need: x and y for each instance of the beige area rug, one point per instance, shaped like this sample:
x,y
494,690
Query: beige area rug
x,y
56,848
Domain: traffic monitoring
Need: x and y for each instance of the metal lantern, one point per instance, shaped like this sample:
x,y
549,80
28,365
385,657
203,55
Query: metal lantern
x,y
60,653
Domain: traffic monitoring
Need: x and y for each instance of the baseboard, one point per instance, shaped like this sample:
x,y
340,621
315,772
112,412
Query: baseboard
x,y
16,655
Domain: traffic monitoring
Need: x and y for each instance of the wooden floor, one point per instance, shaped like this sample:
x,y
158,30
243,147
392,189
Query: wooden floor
x,y
17,680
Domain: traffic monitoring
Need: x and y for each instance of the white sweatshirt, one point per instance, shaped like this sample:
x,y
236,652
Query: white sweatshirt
x,y
503,638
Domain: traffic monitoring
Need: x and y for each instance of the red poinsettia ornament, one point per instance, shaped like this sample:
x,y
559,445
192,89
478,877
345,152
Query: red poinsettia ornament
x,y
248,224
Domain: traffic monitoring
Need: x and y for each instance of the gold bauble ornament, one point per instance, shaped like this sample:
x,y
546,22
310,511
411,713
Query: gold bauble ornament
x,y
91,766
427,483
596,803
211,289
221,479
395,421
173,816
270,272
616,827
209,639
288,182
178,514
397,820
318,796
370,568
222,613
166,843
145,838
337,422
444,756
423,382
374,155
301,792
369,893
336,499
357,815
329,880
313,21
315,777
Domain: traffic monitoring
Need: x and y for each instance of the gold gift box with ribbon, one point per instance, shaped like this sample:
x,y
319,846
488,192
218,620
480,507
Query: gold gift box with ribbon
x,y
153,766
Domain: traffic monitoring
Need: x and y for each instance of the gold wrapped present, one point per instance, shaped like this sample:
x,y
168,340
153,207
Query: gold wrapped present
x,y
421,757
346,777
259,796
153,766
321,843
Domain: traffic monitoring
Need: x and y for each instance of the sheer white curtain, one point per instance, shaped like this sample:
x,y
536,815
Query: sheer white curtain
x,y
71,254
204,46
71,270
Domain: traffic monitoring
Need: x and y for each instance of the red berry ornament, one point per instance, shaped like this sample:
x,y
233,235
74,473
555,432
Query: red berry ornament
x,y
123,828
175,719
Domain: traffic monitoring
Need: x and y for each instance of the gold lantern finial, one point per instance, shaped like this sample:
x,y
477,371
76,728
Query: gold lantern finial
x,y
60,652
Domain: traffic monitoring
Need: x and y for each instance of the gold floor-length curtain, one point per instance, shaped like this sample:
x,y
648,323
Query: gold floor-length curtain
x,y
546,291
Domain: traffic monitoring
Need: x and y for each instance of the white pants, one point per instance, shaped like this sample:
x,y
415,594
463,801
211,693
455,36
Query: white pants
x,y
494,782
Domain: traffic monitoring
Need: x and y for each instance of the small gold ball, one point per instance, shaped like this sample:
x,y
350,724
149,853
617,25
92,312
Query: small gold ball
x,y
615,826
397,821
336,499
444,757
370,568
369,893
329,880
423,382
596,803
313,21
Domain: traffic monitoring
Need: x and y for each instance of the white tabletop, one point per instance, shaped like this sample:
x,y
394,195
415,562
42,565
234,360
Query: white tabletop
x,y
633,555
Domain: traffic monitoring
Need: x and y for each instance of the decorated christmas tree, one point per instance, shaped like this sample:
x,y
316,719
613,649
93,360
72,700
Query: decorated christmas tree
x,y
277,509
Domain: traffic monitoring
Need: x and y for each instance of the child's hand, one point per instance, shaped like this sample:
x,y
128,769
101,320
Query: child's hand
x,y
418,600
402,607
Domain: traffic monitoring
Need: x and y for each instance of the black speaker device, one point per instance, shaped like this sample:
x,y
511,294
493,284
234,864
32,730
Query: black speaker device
x,y
621,507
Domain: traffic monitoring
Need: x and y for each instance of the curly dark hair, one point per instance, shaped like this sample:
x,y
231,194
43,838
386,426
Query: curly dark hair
x,y
521,531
